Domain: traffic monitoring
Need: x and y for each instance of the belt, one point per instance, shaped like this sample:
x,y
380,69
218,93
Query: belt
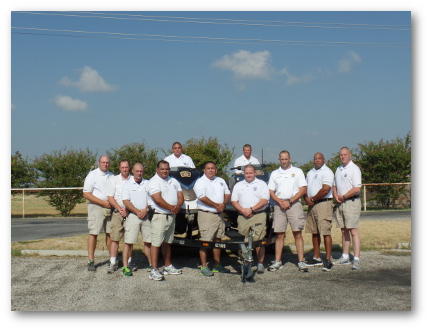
x,y
210,212
166,214
352,198
262,211
322,200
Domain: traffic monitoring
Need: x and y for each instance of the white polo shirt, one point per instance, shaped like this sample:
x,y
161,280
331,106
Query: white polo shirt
x,y
347,177
214,189
169,189
250,193
243,161
316,178
116,183
136,193
286,183
97,183
183,160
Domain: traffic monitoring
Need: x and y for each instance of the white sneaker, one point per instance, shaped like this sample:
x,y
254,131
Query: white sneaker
x,y
343,261
171,270
155,275
276,265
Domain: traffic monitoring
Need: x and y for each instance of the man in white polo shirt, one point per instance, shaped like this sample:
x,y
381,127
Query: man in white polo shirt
x,y
177,158
167,199
96,187
320,209
245,159
346,191
213,195
119,211
250,198
287,185
135,198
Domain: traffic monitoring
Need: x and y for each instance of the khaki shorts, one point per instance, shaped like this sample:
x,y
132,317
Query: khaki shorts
x,y
293,216
162,229
259,223
347,214
99,219
117,227
133,226
320,218
211,226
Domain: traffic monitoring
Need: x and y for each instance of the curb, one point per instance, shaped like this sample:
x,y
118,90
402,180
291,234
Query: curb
x,y
63,253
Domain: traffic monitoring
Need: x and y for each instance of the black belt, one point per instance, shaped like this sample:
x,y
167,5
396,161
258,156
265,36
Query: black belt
x,y
352,198
322,200
166,214
210,212
262,211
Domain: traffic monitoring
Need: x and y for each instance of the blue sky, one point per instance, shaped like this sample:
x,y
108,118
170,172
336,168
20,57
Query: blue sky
x,y
78,90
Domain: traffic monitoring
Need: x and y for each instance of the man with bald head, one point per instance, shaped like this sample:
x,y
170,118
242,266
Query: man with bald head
x,y
346,191
135,198
320,209
96,190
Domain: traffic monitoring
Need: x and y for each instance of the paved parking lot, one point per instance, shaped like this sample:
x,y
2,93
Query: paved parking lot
x,y
64,284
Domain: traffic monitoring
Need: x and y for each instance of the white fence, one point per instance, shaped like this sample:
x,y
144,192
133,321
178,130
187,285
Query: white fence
x,y
366,194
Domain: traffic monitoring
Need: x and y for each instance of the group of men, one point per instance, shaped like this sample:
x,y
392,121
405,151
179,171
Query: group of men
x,y
119,205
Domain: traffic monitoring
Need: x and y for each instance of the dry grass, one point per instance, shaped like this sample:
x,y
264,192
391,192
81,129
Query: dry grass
x,y
39,206
375,235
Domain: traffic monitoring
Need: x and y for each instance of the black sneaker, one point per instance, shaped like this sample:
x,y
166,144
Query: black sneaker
x,y
132,265
314,262
328,265
91,266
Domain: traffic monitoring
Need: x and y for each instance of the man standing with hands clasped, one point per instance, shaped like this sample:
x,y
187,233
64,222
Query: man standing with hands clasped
x,y
320,209
250,198
213,194
287,185
167,199
96,188
346,191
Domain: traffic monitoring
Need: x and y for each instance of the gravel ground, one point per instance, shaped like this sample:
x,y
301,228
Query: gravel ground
x,y
63,284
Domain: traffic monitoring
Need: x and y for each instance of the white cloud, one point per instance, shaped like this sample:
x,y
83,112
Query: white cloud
x,y
89,81
346,63
293,79
70,104
247,65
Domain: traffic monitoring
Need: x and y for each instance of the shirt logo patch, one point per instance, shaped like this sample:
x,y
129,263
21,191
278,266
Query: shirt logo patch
x,y
344,175
316,175
293,175
255,188
220,183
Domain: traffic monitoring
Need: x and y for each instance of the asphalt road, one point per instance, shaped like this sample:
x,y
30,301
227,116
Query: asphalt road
x,y
63,284
39,228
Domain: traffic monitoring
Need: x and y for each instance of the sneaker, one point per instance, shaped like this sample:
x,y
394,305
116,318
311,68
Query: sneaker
x,y
126,271
314,262
355,264
91,266
171,270
343,261
220,269
132,265
328,265
260,268
303,267
205,271
112,268
276,265
155,275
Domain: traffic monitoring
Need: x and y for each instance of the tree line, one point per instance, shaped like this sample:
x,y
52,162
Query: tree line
x,y
385,161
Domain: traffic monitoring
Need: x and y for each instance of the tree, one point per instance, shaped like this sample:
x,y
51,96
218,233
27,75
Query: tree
x,y
64,169
386,162
23,175
203,150
134,152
